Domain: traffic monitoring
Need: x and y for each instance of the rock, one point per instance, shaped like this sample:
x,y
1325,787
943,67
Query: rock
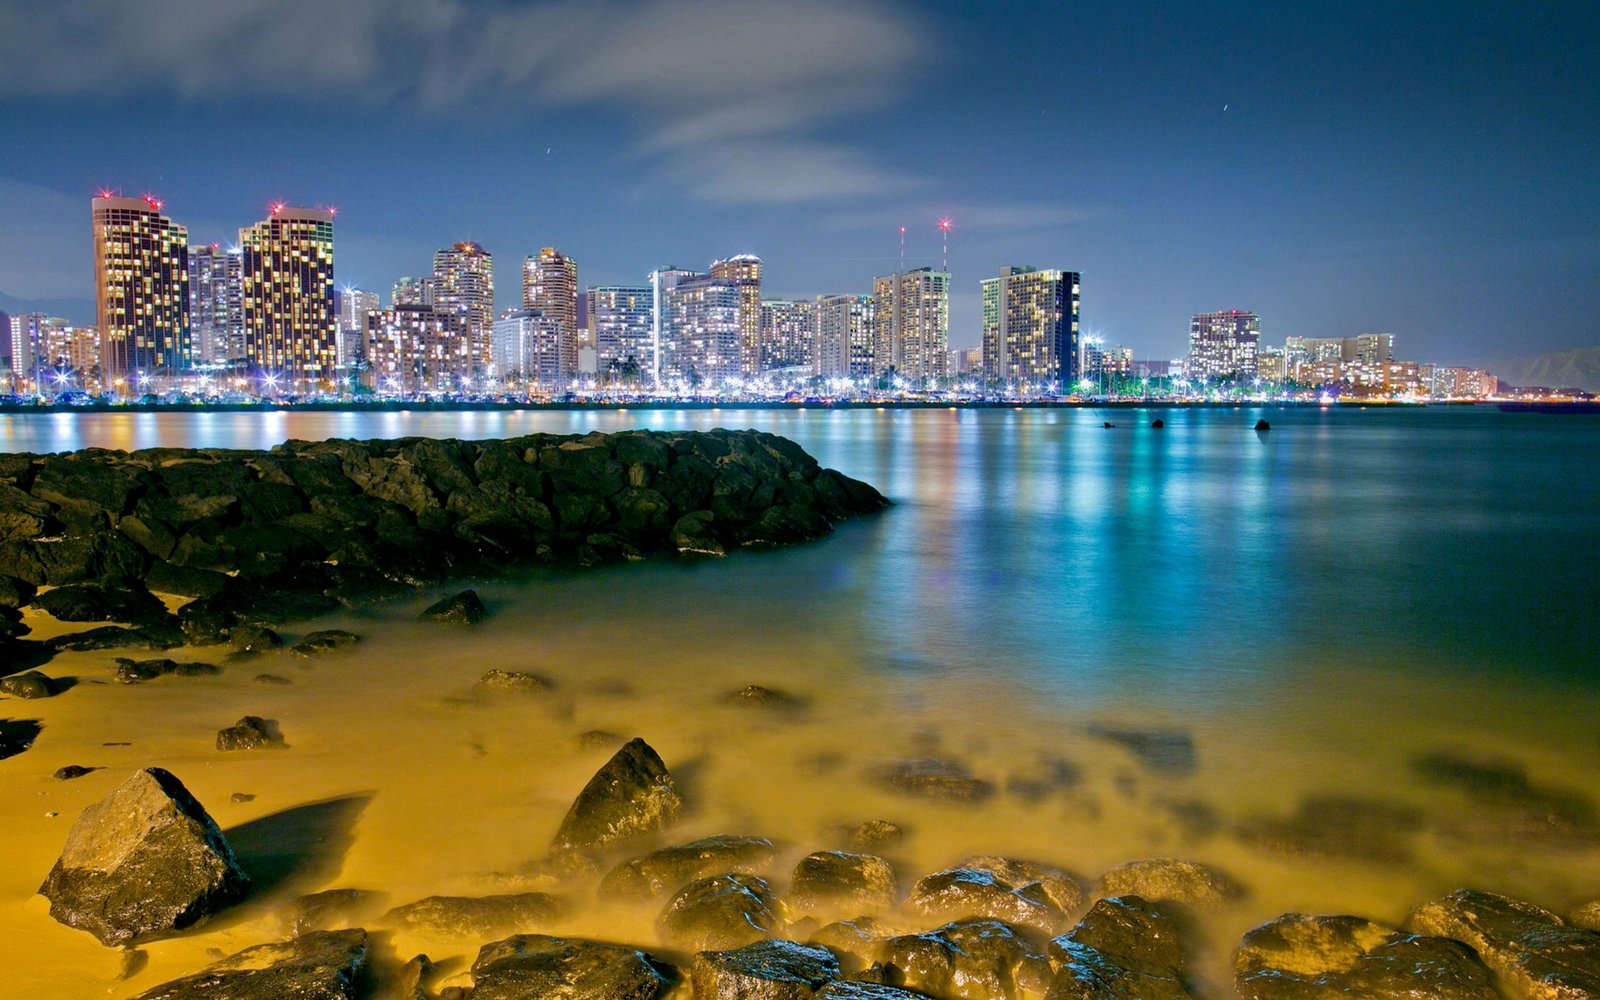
x,y
968,959
1107,424
15,593
185,581
114,637
692,535
1158,423
273,679
847,990
324,641
131,671
962,893
1062,888
766,970
31,684
671,868
937,779
831,884
239,798
323,965
598,739
1536,954
631,795
1047,776
1508,806
17,735
1300,956
253,638
143,861
71,771
251,733
478,916
1170,880
1123,947
756,696
530,966
414,978
1161,751
1344,826
514,682
1262,425
1587,916
89,602
876,833
721,911
858,943
465,608
333,909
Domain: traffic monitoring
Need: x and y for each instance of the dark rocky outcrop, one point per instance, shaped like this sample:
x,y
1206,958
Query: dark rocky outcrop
x,y
465,608
1123,948
722,911
967,959
334,909
251,733
833,884
756,696
143,861
534,966
122,601
1170,880
1536,954
322,965
632,794
131,671
31,684
1302,957
479,916
669,869
766,970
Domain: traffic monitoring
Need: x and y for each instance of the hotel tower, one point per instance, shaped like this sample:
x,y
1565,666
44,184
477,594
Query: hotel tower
x,y
286,294
141,279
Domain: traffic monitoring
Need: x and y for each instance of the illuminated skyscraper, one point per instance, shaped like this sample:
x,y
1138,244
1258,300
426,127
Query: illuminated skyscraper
x,y
415,349
789,336
913,323
216,327
550,285
463,286
845,334
700,324
141,272
286,282
529,351
1223,345
412,292
620,324
355,305
662,283
1030,326
743,272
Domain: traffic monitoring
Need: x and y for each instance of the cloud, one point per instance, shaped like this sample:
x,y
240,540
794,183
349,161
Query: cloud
x,y
711,79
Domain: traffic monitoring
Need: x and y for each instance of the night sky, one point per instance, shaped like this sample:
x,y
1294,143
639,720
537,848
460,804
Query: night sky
x,y
1421,168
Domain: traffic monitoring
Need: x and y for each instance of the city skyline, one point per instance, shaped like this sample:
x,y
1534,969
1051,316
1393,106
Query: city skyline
x,y
1321,181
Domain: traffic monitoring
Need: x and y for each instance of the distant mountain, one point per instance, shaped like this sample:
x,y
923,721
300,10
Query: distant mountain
x,y
1578,368
79,312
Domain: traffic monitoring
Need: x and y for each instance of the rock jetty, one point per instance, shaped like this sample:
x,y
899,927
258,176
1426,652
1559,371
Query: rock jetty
x,y
259,538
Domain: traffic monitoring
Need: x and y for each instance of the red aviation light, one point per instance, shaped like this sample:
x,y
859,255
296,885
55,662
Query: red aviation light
x,y
333,211
944,224
277,207
106,193
154,202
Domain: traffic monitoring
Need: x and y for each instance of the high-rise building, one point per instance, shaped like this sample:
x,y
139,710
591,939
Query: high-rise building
x,y
743,272
913,324
27,348
141,271
789,336
1272,364
529,351
463,286
662,283
1223,345
1030,326
845,334
355,305
550,285
216,327
412,291
5,343
286,295
701,324
620,325
416,349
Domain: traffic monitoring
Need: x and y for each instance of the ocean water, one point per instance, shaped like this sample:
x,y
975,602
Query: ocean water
x,y
1318,609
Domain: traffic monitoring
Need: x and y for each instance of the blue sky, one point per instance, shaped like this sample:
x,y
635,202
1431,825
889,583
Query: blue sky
x,y
1424,168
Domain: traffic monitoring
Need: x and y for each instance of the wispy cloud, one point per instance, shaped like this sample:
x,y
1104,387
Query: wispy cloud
x,y
713,81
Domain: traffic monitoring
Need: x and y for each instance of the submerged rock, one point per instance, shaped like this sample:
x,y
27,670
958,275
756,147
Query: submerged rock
x,y
836,884
72,771
1507,804
875,833
479,916
1123,947
465,608
251,733
632,794
333,909
145,860
756,696
514,682
1299,956
1340,826
968,959
722,911
253,639
31,684
927,778
1587,916
766,970
1170,880
131,671
1535,953
961,893
323,965
324,641
1162,751
530,966
671,868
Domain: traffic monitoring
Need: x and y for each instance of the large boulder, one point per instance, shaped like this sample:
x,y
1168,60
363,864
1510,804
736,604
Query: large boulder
x,y
1537,955
961,893
1123,948
832,884
145,860
534,967
722,911
766,970
465,608
89,602
478,916
967,960
31,684
1303,957
631,795
669,869
1169,880
321,965
1063,888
